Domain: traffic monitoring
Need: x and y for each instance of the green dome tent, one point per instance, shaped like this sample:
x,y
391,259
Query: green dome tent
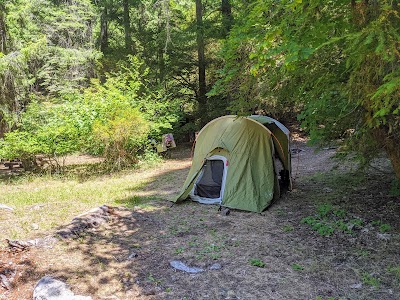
x,y
235,163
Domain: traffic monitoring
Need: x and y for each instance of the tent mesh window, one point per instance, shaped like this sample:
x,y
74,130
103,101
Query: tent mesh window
x,y
209,185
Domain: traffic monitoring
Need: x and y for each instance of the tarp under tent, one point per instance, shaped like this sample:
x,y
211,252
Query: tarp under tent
x,y
237,163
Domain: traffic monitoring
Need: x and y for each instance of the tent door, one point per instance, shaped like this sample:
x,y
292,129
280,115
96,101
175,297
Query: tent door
x,y
210,185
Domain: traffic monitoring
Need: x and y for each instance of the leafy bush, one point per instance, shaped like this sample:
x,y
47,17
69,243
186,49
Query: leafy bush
x,y
121,136
20,145
115,119
48,129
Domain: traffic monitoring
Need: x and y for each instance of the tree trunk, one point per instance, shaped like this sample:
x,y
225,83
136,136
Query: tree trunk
x,y
160,46
3,30
127,26
227,19
202,98
390,143
104,30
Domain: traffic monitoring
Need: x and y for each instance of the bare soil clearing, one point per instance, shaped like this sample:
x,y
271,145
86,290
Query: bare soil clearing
x,y
128,257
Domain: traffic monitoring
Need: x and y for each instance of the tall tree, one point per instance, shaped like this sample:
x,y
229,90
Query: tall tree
x,y
202,97
3,30
227,18
336,61
127,26
103,36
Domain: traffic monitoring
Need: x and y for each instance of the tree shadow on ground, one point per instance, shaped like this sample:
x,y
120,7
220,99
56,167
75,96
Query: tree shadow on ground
x,y
128,257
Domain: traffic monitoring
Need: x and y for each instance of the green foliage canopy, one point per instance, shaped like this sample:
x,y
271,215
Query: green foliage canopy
x,y
336,62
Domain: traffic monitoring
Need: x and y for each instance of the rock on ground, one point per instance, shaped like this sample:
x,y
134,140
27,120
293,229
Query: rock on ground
x,y
49,288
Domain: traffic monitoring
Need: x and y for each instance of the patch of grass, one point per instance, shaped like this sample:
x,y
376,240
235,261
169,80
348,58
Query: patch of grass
x,y
287,228
215,256
281,212
209,249
133,201
343,226
193,243
257,262
357,222
324,209
385,228
340,179
179,250
332,186
395,271
297,267
321,226
154,280
328,220
340,213
213,232
51,201
369,279
363,253
149,159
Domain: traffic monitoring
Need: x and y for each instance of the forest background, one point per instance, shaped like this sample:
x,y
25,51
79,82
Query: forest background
x,y
106,77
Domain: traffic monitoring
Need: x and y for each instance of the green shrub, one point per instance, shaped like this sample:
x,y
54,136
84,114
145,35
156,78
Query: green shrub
x,y
122,136
48,129
114,119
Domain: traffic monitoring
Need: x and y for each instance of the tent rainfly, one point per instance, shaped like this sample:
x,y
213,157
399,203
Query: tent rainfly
x,y
237,163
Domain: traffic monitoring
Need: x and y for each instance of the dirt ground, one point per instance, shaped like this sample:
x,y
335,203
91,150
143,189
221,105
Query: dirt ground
x,y
273,255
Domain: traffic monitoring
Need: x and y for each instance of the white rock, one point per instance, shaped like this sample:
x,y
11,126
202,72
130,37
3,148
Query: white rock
x,y
215,266
49,288
356,286
383,236
177,264
2,206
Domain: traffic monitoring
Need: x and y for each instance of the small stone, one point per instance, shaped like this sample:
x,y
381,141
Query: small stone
x,y
225,211
383,236
149,292
49,288
327,190
132,255
230,294
34,226
2,206
177,264
215,266
5,282
37,207
356,286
